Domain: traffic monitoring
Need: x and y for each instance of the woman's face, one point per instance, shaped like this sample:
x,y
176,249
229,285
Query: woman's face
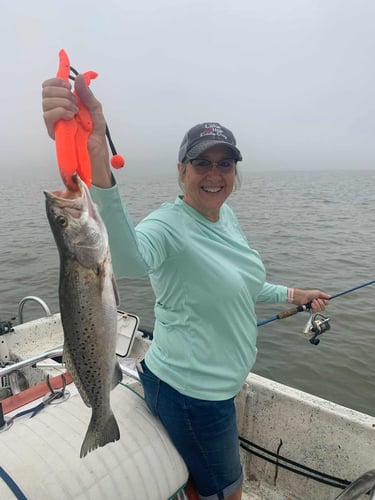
x,y
207,191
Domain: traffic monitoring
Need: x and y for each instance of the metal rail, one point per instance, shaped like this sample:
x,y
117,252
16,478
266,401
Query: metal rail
x,y
58,351
32,298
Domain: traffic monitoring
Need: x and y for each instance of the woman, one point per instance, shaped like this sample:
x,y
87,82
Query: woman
x,y
206,280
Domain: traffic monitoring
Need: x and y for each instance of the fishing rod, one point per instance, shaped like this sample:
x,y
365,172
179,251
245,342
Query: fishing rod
x,y
317,323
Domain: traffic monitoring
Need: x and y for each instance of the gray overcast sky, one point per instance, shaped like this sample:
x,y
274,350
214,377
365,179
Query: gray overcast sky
x,y
293,79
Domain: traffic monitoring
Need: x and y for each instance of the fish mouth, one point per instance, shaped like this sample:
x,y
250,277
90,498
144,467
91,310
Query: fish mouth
x,y
62,196
70,198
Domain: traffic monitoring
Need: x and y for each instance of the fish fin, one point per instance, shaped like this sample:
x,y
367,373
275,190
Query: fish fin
x,y
101,272
115,290
117,375
67,359
96,437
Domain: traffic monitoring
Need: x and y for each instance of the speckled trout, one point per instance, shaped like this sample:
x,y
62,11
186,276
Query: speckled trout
x,y
88,304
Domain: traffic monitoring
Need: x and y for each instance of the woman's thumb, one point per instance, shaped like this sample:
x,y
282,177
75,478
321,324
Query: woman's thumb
x,y
85,94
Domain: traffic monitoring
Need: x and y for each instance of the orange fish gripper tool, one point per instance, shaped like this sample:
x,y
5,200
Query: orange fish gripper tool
x,y
71,136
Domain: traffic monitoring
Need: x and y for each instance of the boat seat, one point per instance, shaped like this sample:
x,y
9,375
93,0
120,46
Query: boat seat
x,y
42,454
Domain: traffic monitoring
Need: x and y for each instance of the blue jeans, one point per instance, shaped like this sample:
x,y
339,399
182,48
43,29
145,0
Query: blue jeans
x,y
204,432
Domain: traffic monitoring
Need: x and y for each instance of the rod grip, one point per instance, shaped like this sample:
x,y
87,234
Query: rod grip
x,y
289,312
294,310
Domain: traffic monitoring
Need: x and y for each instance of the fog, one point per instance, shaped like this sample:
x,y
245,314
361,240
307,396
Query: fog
x,y
293,79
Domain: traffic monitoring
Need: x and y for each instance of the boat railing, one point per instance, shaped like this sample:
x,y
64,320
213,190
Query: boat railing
x,y
32,298
362,485
53,353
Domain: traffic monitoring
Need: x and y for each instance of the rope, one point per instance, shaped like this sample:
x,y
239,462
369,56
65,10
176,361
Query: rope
x,y
316,475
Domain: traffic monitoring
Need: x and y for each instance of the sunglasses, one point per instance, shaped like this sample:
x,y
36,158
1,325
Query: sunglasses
x,y
203,166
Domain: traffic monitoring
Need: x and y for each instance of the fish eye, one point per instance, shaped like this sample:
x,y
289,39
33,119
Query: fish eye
x,y
62,221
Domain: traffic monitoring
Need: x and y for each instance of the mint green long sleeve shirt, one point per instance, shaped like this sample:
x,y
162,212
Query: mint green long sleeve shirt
x,y
206,281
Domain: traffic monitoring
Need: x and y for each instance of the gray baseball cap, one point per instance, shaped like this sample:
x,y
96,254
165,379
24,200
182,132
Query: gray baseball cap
x,y
204,136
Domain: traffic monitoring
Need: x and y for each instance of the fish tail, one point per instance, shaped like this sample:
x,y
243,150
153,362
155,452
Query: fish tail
x,y
96,437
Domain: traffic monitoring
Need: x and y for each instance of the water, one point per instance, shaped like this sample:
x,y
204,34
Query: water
x,y
313,230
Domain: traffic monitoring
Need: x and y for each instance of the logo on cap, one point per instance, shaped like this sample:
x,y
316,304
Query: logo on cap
x,y
213,129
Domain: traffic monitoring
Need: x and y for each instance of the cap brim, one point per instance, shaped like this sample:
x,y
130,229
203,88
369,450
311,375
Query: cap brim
x,y
203,146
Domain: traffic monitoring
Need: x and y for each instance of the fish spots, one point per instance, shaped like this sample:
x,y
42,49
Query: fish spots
x,y
88,299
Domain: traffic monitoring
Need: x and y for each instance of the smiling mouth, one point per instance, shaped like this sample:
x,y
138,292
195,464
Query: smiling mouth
x,y
212,189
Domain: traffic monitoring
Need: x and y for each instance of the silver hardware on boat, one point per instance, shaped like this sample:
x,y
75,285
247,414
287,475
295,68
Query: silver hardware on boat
x,y
56,397
316,325
12,383
31,361
17,382
364,484
32,298
57,366
51,398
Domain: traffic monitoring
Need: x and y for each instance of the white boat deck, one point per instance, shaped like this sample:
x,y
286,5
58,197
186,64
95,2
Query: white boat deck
x,y
315,433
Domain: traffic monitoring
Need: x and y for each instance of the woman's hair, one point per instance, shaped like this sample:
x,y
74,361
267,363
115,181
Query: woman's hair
x,y
182,171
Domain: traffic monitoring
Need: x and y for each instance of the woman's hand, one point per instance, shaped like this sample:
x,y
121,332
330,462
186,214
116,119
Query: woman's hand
x,y
59,103
319,300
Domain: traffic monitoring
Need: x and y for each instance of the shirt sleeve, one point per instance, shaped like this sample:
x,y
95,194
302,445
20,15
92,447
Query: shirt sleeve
x,y
136,251
276,294
127,259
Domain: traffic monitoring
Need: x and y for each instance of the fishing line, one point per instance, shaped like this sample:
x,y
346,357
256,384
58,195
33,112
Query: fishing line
x,y
306,307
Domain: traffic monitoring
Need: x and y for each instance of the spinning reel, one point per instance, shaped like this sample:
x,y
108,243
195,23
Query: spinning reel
x,y
317,325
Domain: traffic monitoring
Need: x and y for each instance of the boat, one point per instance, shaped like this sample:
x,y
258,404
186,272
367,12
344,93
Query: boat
x,y
294,445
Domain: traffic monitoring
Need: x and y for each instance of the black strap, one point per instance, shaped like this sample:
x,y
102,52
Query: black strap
x,y
12,485
321,477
